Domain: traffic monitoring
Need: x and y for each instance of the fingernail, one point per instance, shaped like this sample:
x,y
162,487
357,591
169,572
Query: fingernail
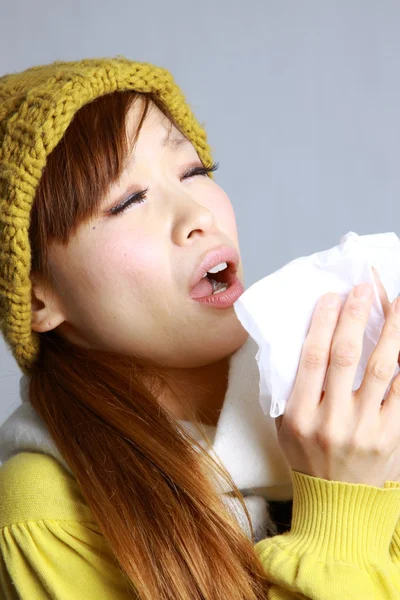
x,y
376,273
363,291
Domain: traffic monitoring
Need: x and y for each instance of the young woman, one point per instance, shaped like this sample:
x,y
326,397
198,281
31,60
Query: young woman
x,y
109,220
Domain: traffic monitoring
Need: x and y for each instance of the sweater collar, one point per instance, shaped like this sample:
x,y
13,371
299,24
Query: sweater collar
x,y
244,439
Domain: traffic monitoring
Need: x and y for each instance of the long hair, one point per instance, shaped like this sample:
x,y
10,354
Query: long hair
x,y
151,487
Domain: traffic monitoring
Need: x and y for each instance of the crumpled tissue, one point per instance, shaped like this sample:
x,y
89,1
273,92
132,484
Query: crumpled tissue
x,y
277,310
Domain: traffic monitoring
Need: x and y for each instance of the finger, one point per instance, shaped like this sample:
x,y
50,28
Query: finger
x,y
383,361
382,293
314,357
347,344
383,297
390,411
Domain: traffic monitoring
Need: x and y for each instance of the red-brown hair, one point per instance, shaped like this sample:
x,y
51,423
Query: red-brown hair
x,y
152,489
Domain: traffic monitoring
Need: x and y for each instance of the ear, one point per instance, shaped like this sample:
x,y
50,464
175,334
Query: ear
x,y
47,311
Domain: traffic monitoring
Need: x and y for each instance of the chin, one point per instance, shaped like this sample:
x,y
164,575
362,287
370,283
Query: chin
x,y
228,343
213,348
239,334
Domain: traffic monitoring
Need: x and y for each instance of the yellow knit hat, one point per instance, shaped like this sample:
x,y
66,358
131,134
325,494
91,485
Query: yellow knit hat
x,y
36,107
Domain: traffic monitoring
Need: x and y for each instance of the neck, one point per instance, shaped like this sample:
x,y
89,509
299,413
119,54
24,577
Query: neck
x,y
198,392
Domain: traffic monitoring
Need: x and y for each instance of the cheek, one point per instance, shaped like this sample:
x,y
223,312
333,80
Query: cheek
x,y
131,263
224,213
111,270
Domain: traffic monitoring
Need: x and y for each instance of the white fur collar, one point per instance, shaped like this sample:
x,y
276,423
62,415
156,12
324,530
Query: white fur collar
x,y
244,440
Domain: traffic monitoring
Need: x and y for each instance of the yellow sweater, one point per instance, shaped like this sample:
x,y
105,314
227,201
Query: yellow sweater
x,y
344,541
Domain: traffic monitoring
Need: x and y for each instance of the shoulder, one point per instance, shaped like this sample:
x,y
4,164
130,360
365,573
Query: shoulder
x,y
49,542
35,486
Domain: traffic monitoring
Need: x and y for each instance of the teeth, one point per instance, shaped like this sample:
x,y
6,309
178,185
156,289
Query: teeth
x,y
218,286
218,268
221,290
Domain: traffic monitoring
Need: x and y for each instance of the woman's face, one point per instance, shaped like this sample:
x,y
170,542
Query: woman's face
x,y
122,282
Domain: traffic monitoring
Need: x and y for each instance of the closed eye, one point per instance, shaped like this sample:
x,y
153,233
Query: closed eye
x,y
138,197
201,170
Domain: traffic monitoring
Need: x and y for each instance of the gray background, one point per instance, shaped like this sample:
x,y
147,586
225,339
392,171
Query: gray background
x,y
300,99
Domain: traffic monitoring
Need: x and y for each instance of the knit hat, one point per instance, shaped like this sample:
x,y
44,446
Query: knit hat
x,y
36,107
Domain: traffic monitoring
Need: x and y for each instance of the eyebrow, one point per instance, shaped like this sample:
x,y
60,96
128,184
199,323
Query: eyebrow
x,y
174,141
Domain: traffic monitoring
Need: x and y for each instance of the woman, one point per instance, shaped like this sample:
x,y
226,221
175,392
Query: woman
x,y
110,222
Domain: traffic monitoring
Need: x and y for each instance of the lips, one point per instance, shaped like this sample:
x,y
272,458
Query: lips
x,y
211,259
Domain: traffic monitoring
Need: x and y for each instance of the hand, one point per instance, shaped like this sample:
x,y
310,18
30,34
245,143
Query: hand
x,y
339,434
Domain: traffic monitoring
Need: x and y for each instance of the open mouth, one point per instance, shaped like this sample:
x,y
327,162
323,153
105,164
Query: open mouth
x,y
213,283
221,280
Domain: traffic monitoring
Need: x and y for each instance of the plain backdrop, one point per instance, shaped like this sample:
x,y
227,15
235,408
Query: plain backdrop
x,y
300,99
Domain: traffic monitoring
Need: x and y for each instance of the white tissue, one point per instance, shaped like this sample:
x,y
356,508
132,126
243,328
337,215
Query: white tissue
x,y
277,310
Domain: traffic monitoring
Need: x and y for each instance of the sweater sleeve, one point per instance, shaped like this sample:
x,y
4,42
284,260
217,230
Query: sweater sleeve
x,y
62,560
50,546
395,544
338,544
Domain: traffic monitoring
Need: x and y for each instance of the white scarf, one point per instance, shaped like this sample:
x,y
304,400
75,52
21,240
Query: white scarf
x,y
244,440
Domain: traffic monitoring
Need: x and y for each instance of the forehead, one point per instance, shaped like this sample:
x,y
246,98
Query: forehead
x,y
156,122
156,130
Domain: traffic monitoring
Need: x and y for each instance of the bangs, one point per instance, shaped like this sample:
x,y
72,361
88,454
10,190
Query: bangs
x,y
79,171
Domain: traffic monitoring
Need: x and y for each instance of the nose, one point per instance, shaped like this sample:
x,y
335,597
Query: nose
x,y
191,218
